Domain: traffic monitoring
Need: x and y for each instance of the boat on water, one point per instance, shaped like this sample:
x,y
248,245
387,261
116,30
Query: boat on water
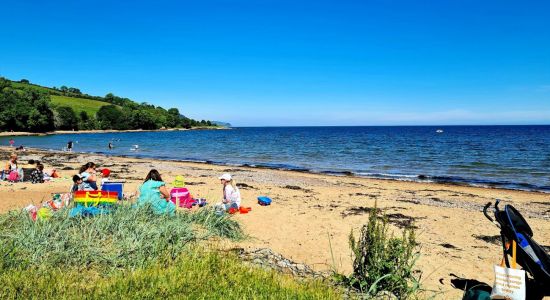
x,y
439,131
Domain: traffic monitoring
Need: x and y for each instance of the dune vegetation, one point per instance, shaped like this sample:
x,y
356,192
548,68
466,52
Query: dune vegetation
x,y
131,253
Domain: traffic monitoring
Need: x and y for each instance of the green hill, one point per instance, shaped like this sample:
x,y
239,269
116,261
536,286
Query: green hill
x,y
78,104
31,107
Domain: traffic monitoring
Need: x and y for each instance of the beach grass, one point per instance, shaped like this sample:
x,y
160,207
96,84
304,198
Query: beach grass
x,y
199,274
91,107
132,253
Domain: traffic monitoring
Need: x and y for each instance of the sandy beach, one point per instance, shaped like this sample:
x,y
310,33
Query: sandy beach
x,y
312,215
15,134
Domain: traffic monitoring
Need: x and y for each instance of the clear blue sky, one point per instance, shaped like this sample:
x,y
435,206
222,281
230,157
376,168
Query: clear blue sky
x,y
294,62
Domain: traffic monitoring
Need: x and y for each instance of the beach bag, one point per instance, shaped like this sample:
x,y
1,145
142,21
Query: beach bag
x,y
84,211
181,197
264,201
95,198
13,176
509,282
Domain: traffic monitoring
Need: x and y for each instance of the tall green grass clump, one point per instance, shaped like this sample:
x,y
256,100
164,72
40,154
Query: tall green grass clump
x,y
127,237
132,253
383,262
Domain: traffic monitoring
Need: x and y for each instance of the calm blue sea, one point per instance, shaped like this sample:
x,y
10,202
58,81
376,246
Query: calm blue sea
x,y
516,157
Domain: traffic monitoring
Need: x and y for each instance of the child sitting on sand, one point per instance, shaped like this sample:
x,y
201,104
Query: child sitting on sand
x,y
180,195
231,193
37,175
77,184
105,173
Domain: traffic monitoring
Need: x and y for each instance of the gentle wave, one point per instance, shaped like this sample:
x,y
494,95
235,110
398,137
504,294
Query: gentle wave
x,y
514,157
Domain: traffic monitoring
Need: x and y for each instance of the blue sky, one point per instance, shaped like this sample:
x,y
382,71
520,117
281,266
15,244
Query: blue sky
x,y
294,62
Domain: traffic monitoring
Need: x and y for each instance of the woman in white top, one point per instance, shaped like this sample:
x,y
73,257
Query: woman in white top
x,y
231,194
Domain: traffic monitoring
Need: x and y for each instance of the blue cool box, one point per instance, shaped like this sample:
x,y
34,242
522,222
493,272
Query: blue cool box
x,y
113,186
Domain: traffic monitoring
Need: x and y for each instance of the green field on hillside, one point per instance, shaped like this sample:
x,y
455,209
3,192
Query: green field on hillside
x,y
79,104
18,85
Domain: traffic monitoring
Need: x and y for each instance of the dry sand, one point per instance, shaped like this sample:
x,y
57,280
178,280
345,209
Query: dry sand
x,y
310,212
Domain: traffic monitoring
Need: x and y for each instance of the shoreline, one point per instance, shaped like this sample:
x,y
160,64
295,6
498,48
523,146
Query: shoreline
x,y
405,178
312,215
59,132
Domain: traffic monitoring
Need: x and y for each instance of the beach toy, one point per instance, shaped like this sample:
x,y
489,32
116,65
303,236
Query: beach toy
x,y
200,202
233,210
95,198
244,210
264,201
44,213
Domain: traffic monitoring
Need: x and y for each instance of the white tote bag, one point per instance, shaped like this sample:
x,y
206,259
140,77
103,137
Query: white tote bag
x,y
509,282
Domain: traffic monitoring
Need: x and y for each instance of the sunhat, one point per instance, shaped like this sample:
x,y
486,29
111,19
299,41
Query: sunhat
x,y
226,177
179,181
105,172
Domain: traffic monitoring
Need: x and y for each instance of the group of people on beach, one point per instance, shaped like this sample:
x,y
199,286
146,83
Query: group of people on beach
x,y
86,179
153,190
33,171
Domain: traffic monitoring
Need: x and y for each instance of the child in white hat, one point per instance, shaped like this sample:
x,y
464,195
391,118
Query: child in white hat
x,y
231,194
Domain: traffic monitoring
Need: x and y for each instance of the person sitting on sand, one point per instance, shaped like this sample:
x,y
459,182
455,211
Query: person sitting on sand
x,y
231,193
37,175
179,195
50,173
78,184
153,192
12,167
88,175
28,169
105,173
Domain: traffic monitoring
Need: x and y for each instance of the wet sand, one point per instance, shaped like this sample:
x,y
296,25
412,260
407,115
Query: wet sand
x,y
312,215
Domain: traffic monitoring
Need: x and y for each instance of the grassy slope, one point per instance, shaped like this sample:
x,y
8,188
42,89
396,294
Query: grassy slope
x,y
78,104
200,274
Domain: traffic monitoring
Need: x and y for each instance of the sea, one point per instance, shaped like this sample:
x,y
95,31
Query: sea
x,y
512,157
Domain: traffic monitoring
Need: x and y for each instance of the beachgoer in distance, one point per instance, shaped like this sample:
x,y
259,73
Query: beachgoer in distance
x,y
37,175
88,175
11,167
231,193
110,146
12,142
50,173
70,146
153,192
179,194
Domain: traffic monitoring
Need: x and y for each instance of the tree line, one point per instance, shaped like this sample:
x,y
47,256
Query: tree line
x,y
24,108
